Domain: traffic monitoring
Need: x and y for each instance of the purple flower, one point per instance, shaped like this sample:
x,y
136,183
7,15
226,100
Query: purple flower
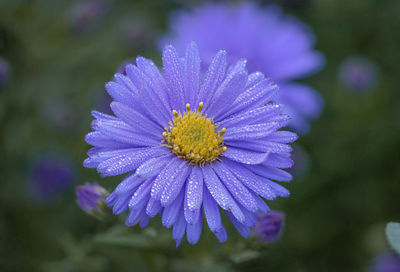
x,y
192,144
386,262
358,73
85,14
50,175
4,71
269,226
137,30
279,46
91,198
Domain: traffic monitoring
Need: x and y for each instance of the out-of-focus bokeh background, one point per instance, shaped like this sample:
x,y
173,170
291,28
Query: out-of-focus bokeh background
x,y
55,57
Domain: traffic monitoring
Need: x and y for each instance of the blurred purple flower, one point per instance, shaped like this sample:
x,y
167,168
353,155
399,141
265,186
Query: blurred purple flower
x,y
91,198
137,30
59,114
279,46
85,14
4,71
386,262
269,226
50,175
358,73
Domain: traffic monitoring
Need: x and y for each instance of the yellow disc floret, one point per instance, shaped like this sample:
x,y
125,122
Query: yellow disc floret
x,y
194,138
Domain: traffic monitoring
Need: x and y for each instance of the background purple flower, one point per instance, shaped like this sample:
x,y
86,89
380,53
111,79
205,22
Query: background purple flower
x,y
269,226
279,46
50,175
4,71
358,73
85,14
386,262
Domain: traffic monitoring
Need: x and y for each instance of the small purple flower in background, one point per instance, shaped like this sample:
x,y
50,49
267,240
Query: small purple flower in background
x,y
84,15
386,262
59,113
91,198
192,144
50,175
358,73
279,46
4,71
137,30
269,226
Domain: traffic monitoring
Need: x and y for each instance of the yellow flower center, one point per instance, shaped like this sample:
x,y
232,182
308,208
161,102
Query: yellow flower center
x,y
194,138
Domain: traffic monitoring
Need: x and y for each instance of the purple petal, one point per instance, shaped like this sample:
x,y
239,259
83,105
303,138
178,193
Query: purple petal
x,y
193,232
121,94
220,194
173,74
171,212
283,137
174,186
168,173
152,167
256,183
244,156
136,120
236,188
211,212
226,93
252,116
250,132
194,189
141,195
270,172
214,77
242,229
153,207
156,80
129,161
150,100
98,139
121,132
192,73
282,160
128,185
179,229
255,96
221,234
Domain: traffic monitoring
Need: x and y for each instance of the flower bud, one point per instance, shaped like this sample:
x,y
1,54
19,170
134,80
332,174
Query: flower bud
x,y
269,226
91,198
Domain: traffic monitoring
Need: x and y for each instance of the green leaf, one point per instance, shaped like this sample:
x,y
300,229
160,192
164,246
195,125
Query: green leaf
x,y
393,235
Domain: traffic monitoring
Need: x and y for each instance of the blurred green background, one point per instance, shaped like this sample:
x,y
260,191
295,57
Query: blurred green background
x,y
58,64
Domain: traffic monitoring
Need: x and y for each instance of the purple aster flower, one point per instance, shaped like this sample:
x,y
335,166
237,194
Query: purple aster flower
x,y
4,71
192,143
358,73
91,198
279,46
50,175
269,226
386,262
